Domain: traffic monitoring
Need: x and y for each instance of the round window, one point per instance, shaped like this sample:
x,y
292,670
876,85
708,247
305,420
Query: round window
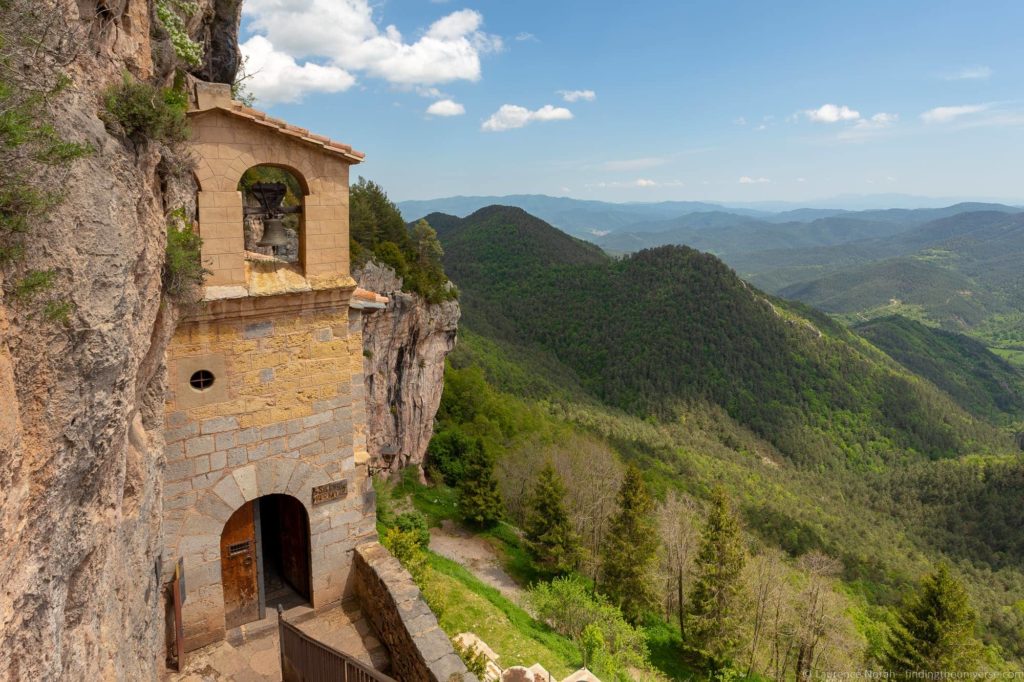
x,y
201,380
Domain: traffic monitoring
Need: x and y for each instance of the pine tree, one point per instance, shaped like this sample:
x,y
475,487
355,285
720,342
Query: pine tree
x,y
550,537
479,499
716,598
629,550
935,629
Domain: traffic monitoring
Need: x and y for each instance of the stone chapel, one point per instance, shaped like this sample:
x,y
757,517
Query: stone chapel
x,y
266,491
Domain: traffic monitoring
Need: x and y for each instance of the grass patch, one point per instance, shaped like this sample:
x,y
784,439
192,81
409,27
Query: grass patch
x,y
665,650
465,604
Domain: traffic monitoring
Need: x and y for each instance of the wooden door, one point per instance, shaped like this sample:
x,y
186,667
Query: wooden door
x,y
238,568
294,545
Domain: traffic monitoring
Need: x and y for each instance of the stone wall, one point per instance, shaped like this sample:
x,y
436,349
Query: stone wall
x,y
420,650
285,414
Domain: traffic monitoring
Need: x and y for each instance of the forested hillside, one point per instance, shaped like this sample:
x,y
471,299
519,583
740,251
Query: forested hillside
x,y
963,367
822,486
664,327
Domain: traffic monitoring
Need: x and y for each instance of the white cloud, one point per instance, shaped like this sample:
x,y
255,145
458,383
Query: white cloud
x,y
276,77
578,95
511,116
446,107
525,37
633,164
831,113
639,182
866,128
343,36
747,180
947,114
970,73
740,121
801,179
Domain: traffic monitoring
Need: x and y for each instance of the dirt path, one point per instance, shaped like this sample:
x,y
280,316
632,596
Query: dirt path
x,y
476,555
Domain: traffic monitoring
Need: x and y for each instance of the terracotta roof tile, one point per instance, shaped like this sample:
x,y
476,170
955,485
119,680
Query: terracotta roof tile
x,y
285,128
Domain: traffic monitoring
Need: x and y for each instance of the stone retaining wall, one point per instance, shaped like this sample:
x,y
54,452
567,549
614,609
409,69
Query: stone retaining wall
x,y
420,650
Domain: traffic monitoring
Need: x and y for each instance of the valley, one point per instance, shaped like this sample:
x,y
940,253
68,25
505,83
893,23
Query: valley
x,y
886,446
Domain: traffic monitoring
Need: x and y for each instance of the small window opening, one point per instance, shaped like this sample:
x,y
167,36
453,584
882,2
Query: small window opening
x,y
201,380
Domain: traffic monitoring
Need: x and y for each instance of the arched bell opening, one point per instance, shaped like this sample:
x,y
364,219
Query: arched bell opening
x,y
265,558
273,203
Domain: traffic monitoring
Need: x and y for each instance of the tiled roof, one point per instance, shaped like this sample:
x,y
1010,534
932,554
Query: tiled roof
x,y
285,128
363,298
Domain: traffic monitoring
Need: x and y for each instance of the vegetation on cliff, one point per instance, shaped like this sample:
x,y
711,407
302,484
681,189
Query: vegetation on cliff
x,y
35,157
378,231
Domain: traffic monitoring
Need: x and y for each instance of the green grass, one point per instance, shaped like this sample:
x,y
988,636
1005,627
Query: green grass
x,y
465,604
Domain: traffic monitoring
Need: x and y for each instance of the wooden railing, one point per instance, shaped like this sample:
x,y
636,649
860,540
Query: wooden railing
x,y
304,659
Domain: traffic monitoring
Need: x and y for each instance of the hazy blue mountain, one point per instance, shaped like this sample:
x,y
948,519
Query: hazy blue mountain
x,y
956,271
580,217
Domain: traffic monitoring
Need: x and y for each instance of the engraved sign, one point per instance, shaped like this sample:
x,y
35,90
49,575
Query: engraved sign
x,y
330,492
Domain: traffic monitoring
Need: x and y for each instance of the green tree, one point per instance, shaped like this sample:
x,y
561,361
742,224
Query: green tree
x,y
550,537
716,598
374,218
935,629
630,548
479,499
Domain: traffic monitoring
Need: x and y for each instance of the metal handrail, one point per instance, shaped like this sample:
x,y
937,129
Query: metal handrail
x,y
305,659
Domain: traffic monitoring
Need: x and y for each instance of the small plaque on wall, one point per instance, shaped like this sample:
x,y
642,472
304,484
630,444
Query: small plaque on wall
x,y
330,492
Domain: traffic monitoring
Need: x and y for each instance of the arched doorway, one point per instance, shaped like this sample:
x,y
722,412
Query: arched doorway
x,y
264,558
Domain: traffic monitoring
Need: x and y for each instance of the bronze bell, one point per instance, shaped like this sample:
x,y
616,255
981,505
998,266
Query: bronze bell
x,y
273,233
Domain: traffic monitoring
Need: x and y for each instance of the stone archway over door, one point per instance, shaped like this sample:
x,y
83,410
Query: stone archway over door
x,y
265,558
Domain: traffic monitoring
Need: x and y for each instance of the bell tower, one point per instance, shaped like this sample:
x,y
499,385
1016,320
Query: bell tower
x,y
265,486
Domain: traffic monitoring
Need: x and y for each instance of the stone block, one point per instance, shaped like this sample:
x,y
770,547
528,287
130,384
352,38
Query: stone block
x,y
246,480
273,431
312,450
203,445
206,480
185,501
302,439
237,457
219,425
258,330
214,507
178,470
224,441
227,489
247,436
218,460
317,419
175,435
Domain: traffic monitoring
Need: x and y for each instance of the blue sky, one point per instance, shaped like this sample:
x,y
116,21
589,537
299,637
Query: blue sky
x,y
709,100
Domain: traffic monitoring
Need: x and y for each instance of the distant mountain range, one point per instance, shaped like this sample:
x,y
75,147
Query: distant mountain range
x,y
955,266
590,217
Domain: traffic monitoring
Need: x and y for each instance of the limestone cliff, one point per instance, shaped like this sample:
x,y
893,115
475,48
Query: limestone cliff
x,y
81,404
405,347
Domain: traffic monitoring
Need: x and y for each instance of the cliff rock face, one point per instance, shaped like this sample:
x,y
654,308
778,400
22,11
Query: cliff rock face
x,y
81,404
404,347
